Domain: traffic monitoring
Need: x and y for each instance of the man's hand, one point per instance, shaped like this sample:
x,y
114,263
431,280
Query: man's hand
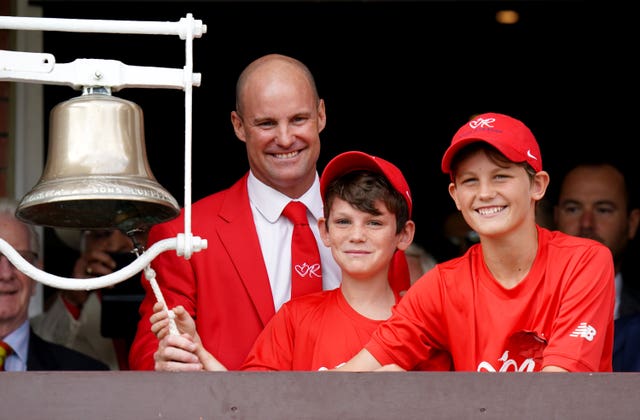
x,y
177,353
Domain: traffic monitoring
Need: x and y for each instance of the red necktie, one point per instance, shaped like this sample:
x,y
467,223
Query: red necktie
x,y
306,272
5,351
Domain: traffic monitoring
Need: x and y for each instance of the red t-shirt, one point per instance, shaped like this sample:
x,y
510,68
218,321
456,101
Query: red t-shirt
x,y
560,314
312,332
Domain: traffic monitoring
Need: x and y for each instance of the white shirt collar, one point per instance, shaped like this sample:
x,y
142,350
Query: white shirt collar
x,y
270,202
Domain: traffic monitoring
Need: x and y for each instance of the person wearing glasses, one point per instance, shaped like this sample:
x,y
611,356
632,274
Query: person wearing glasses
x,y
22,348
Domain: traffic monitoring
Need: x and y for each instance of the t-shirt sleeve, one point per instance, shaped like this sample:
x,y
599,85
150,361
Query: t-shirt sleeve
x,y
582,337
407,338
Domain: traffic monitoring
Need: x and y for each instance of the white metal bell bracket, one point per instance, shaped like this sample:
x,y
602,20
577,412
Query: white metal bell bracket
x,y
82,73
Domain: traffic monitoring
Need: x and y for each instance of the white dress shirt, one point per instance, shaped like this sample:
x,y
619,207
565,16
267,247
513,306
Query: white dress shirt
x,y
275,232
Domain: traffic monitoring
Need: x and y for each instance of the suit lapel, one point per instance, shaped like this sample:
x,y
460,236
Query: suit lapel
x,y
239,237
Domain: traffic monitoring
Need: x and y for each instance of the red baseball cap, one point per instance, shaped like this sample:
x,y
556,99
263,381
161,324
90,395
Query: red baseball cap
x,y
509,135
354,161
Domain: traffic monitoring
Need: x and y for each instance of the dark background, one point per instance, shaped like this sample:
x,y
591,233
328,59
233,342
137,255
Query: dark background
x,y
398,77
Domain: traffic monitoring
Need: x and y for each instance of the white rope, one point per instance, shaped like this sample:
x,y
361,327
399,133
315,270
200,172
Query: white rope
x,y
150,275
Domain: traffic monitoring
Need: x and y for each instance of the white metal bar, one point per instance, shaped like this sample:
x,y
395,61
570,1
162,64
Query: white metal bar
x,y
41,68
188,111
104,26
98,282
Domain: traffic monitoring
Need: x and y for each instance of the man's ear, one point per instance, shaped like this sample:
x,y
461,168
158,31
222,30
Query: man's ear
x,y
38,263
238,126
322,116
634,221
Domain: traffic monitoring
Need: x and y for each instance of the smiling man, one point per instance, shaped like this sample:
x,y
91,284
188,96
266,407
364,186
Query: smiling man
x,y
26,350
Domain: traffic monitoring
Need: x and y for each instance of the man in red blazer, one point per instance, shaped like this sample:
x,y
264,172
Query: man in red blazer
x,y
235,286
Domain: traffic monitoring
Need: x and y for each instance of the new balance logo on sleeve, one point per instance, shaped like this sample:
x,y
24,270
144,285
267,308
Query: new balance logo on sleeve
x,y
585,331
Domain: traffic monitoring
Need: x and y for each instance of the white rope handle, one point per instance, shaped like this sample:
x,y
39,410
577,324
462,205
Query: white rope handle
x,y
150,274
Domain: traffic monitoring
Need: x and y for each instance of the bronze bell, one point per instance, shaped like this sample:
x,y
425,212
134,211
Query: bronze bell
x,y
97,175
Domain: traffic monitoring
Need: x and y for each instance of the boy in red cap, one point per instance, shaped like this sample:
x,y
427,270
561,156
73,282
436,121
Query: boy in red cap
x,y
367,224
525,298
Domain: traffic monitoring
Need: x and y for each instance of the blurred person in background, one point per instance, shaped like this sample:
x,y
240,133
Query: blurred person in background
x,y
100,323
24,349
458,233
420,261
595,202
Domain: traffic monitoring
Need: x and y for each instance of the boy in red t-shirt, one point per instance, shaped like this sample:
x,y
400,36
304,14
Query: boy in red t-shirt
x,y
525,298
367,224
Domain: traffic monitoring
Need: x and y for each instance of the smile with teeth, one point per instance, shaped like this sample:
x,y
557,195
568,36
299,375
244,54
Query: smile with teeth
x,y
286,155
486,211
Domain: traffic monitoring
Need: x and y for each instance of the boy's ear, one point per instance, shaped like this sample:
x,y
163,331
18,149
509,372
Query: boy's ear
x,y
324,233
405,237
539,185
452,193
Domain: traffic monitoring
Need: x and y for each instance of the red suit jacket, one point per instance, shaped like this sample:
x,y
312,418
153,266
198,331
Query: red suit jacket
x,y
224,287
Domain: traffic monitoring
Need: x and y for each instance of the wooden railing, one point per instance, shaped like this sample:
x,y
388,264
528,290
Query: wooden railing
x,y
318,395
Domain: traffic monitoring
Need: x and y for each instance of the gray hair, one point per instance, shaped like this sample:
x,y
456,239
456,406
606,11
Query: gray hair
x,y
9,206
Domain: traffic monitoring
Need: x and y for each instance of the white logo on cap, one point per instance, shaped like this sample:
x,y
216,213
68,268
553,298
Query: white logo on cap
x,y
482,122
531,155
